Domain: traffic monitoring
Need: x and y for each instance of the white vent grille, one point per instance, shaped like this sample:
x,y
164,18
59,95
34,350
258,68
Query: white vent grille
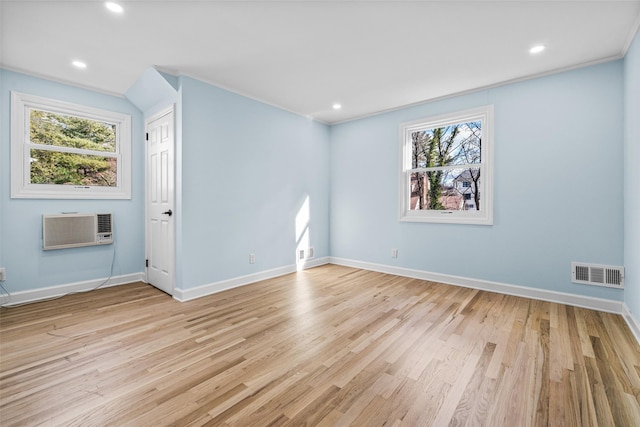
x,y
104,223
74,230
609,276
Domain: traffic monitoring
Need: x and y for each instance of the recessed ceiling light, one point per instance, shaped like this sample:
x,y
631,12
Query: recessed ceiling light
x,y
337,106
114,7
537,49
79,64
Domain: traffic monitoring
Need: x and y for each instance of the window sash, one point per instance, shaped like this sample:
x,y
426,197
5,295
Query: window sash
x,y
29,118
442,168
71,150
408,188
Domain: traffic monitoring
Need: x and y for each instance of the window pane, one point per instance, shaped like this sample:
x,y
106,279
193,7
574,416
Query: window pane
x,y
457,144
53,167
70,131
445,190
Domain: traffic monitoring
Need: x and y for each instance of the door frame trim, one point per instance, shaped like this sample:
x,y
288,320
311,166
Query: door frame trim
x,y
171,109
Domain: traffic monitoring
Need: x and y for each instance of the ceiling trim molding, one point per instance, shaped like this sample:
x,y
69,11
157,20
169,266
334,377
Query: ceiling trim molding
x,y
62,81
254,98
632,35
487,87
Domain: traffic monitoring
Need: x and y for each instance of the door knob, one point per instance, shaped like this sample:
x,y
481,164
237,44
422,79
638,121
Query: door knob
x,y
167,212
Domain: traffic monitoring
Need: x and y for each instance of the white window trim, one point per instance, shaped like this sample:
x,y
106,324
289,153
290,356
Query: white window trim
x,y
20,151
482,217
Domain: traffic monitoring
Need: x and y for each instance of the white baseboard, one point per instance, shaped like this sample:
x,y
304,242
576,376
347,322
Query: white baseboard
x,y
223,285
313,262
633,323
34,295
600,304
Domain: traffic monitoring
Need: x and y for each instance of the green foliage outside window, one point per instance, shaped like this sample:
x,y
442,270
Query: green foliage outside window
x,y
51,166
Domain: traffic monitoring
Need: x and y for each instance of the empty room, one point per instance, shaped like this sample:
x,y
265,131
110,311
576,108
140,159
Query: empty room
x,y
321,213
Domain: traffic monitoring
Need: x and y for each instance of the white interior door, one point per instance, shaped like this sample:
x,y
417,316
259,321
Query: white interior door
x,y
160,212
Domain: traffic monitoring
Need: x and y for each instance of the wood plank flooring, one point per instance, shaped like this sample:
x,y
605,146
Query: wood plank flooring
x,y
329,346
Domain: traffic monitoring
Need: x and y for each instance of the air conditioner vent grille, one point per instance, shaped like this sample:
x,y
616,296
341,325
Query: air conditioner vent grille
x,y
614,276
599,275
582,273
104,223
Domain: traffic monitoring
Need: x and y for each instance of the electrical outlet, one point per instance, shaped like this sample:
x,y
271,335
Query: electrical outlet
x,y
394,253
3,274
310,253
252,258
301,254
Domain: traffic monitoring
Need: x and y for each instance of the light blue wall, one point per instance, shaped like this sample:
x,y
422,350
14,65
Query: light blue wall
x,y
558,186
152,93
632,178
246,170
28,266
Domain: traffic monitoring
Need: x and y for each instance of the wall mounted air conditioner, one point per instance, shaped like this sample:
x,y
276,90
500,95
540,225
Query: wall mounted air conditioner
x,y
74,229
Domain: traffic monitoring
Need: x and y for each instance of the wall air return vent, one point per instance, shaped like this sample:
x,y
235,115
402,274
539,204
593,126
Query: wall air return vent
x,y
609,276
74,230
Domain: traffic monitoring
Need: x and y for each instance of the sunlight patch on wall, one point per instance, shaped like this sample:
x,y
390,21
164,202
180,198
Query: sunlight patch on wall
x,y
302,234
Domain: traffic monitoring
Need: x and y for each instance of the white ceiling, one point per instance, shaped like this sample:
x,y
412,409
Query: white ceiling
x,y
304,56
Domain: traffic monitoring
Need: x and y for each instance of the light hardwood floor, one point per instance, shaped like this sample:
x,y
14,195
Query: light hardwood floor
x,y
330,346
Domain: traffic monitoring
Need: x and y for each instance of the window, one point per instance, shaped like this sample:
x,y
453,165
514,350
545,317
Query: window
x,y
67,151
446,170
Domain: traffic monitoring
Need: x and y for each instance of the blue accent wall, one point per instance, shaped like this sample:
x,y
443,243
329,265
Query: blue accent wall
x,y
632,178
558,186
246,170
28,266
